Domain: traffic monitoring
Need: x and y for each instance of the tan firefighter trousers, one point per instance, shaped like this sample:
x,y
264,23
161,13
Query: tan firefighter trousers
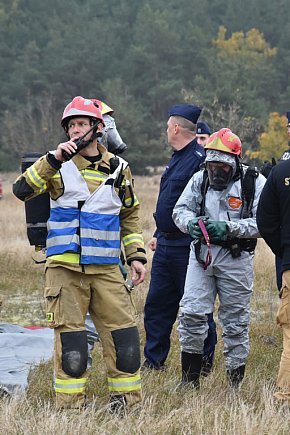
x,y
69,295
283,319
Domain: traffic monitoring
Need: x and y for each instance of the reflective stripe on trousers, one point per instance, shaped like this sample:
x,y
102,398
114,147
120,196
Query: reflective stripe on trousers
x,y
124,384
69,296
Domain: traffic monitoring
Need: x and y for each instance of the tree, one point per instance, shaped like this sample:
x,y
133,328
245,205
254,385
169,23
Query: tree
x,y
33,127
249,47
243,69
273,140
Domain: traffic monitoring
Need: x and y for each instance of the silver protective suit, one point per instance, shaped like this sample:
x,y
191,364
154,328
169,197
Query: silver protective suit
x,y
229,278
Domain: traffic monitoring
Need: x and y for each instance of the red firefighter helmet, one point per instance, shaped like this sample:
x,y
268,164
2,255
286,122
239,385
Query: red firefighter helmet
x,y
226,141
80,106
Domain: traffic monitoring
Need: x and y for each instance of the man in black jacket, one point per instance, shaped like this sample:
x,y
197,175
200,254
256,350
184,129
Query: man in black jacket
x,y
273,219
265,170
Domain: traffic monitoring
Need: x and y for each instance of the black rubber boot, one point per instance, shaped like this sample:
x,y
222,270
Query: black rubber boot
x,y
191,367
235,376
207,363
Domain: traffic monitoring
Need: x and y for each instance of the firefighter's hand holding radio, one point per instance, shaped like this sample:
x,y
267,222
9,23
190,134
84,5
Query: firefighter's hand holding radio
x,y
69,147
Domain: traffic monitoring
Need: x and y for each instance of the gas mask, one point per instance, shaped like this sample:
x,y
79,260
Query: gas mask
x,y
220,167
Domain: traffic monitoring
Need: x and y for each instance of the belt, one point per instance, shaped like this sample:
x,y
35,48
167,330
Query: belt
x,y
245,244
174,236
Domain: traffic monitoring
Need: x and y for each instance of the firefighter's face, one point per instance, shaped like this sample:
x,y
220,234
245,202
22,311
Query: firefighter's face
x,y
220,174
77,127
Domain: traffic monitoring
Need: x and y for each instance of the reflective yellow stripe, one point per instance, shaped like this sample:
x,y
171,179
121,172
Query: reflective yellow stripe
x,y
133,238
69,257
93,175
70,390
36,179
125,384
70,386
57,175
70,381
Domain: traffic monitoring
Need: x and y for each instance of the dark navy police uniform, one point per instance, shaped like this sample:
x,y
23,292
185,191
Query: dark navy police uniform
x,y
170,261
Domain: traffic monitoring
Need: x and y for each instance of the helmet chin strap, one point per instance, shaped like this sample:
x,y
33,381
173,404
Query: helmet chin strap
x,y
95,135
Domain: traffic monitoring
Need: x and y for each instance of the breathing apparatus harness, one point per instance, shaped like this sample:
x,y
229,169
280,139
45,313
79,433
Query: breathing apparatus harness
x,y
235,245
119,183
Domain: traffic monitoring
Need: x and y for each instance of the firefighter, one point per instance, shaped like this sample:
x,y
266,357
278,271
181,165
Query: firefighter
x,y
93,208
221,257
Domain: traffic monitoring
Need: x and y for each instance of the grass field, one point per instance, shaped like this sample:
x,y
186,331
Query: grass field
x,y
215,409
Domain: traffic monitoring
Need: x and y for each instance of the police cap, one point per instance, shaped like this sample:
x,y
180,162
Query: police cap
x,y
187,111
202,128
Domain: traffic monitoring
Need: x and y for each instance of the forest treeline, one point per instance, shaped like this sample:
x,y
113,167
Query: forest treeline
x,y
140,56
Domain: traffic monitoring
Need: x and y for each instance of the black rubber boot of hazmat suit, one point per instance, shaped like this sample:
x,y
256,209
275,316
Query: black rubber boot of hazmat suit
x,y
191,364
235,376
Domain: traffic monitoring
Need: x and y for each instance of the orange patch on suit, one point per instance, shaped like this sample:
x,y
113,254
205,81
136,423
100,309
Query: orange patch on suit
x,y
234,202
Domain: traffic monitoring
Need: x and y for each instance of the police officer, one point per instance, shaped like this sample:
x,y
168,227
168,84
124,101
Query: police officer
x,y
273,219
202,133
221,257
93,206
171,246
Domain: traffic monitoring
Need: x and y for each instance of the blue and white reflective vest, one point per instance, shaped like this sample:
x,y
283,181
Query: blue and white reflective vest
x,y
84,223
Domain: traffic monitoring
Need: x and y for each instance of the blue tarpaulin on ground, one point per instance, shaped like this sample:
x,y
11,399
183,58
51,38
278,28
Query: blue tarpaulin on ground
x,y
20,350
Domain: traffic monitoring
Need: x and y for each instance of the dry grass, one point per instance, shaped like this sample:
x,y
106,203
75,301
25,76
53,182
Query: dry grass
x,y
213,410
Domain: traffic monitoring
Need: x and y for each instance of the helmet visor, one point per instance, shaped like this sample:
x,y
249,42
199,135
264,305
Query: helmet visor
x,y
221,167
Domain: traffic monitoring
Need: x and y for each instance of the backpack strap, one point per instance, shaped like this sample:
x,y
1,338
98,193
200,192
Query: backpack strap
x,y
248,191
204,189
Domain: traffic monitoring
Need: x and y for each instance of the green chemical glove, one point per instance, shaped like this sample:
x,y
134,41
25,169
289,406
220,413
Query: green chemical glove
x,y
193,227
216,229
